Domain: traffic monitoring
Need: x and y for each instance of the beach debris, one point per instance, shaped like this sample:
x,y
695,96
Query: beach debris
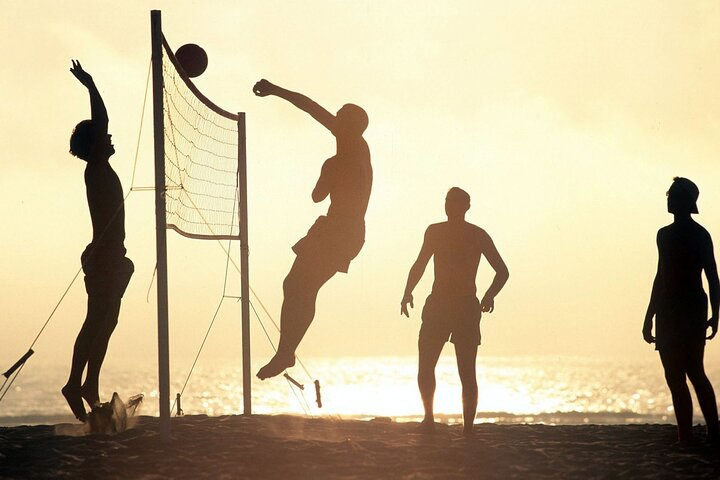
x,y
318,399
113,416
179,412
381,419
293,381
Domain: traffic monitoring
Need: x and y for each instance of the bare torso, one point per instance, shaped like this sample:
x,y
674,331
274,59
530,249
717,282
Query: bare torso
x,y
683,251
348,176
457,248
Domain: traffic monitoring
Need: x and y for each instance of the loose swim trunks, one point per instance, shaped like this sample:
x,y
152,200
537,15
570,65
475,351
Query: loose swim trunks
x,y
335,239
681,320
453,318
106,277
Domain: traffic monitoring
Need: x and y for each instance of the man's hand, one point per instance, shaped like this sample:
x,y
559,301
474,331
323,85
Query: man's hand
x,y
487,304
81,74
712,323
647,332
263,88
408,298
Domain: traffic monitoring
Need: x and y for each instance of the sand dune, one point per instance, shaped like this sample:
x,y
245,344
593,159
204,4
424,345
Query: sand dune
x,y
296,447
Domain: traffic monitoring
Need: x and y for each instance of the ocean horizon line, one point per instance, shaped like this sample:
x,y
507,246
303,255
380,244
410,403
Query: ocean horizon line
x,y
545,390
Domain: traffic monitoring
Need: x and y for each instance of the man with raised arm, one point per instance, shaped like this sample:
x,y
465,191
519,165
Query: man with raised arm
x,y
336,238
107,270
452,311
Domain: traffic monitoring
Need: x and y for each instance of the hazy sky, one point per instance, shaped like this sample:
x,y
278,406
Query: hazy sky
x,y
565,121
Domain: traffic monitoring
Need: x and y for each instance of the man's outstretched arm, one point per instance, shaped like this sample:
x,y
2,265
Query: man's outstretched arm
x,y
416,273
97,106
263,88
487,304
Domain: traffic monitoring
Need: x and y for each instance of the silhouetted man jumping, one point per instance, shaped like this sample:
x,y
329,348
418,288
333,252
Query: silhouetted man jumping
x,y
107,270
680,307
336,238
452,311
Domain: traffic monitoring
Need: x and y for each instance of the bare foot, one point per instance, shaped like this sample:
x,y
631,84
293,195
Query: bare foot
x,y
426,426
74,399
90,394
713,435
468,431
276,366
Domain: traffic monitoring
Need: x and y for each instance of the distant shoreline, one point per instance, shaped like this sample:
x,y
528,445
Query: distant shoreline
x,y
511,390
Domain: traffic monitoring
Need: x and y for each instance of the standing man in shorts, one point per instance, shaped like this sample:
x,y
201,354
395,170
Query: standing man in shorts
x,y
107,269
336,238
680,307
452,311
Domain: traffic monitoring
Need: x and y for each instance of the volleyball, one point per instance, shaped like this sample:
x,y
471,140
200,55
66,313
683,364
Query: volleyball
x,y
192,58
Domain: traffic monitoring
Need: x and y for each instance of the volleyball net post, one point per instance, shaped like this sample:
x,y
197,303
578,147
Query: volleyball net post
x,y
200,190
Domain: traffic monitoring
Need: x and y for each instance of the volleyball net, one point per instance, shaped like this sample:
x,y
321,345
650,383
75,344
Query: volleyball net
x,y
201,159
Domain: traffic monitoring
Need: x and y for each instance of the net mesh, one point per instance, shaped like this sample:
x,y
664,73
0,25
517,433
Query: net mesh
x,y
201,162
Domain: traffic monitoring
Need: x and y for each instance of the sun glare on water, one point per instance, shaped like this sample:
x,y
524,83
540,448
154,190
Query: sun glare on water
x,y
517,389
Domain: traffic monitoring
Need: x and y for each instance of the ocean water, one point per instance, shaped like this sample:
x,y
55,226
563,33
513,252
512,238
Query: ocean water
x,y
551,390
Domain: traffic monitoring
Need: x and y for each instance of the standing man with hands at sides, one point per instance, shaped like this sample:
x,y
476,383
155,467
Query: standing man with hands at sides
x,y
336,238
107,269
452,311
680,307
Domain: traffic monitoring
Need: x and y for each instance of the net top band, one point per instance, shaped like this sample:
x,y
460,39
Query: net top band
x,y
193,88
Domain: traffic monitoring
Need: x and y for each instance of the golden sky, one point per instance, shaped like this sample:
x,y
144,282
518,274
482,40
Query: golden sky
x,y
565,121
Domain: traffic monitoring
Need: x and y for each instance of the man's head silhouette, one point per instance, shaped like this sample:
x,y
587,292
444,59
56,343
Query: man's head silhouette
x,y
89,145
682,196
457,202
352,119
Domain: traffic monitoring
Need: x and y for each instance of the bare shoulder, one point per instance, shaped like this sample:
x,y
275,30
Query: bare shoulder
x,y
664,230
330,162
701,229
433,233
435,229
702,233
663,233
480,234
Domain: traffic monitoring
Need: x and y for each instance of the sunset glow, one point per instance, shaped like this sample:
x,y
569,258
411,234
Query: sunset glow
x,y
566,132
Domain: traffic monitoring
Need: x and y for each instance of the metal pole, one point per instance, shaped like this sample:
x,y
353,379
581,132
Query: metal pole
x,y
244,253
160,227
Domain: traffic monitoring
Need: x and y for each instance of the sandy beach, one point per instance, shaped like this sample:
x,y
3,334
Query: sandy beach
x,y
296,447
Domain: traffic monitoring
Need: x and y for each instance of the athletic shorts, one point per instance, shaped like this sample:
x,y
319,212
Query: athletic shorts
x,y
332,239
110,282
455,319
681,321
